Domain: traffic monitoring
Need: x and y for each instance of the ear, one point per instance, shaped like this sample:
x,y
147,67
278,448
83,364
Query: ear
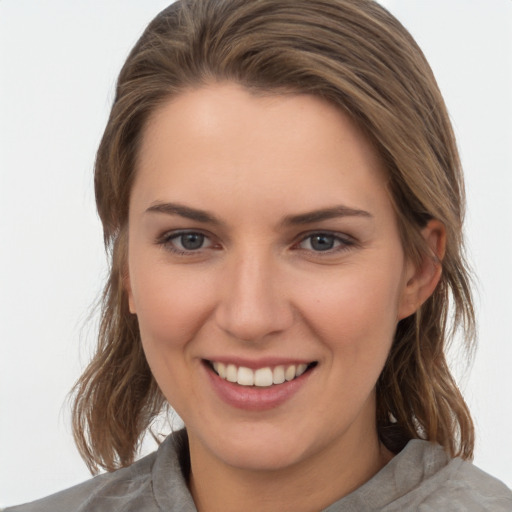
x,y
421,279
127,286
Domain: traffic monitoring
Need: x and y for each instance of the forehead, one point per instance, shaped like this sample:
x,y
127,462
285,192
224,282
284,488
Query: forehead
x,y
223,139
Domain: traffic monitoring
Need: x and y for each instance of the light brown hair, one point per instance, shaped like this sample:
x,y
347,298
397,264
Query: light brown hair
x,y
356,55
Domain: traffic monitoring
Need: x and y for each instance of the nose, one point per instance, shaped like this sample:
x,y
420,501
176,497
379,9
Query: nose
x,y
254,304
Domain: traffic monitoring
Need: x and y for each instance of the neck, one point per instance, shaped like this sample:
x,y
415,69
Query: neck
x,y
311,484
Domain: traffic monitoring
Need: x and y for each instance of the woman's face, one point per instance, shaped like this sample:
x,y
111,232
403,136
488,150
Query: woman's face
x,y
263,247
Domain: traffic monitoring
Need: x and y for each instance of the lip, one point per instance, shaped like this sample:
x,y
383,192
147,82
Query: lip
x,y
254,364
253,398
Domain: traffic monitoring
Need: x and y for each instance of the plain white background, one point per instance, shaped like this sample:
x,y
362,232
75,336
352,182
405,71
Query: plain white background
x,y
58,64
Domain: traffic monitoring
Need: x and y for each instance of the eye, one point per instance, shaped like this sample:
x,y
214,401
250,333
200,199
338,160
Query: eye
x,y
189,241
185,242
319,242
324,242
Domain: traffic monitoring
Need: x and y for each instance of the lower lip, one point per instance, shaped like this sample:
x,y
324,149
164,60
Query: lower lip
x,y
254,398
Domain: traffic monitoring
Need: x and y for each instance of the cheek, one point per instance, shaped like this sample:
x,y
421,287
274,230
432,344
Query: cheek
x,y
356,311
171,305
171,308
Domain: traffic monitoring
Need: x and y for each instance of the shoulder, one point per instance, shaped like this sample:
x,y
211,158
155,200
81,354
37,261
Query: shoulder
x,y
454,484
471,488
128,489
89,495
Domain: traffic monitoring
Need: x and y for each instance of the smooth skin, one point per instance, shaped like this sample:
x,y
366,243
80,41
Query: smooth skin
x,y
260,226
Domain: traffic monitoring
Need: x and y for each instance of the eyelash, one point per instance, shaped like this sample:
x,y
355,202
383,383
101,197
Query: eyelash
x,y
344,242
167,241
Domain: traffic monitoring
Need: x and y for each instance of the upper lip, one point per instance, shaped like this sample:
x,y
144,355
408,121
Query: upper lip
x,y
254,364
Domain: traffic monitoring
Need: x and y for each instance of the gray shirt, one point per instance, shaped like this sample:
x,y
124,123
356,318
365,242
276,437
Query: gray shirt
x,y
421,478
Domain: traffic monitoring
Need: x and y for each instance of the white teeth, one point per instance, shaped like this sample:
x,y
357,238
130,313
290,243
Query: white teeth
x,y
221,369
245,376
231,373
262,377
301,368
278,375
289,374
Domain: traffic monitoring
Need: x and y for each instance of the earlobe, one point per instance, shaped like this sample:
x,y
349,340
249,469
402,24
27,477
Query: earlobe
x,y
422,279
131,304
128,289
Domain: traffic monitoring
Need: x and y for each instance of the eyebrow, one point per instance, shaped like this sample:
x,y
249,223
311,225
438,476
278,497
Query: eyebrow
x,y
290,220
324,214
184,211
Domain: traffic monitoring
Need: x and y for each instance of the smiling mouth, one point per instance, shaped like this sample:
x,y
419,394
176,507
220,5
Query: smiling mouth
x,y
260,377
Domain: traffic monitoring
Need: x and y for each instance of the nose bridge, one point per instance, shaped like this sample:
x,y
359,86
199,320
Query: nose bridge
x,y
254,302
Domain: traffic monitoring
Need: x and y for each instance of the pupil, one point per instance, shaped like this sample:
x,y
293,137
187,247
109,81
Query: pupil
x,y
191,241
322,242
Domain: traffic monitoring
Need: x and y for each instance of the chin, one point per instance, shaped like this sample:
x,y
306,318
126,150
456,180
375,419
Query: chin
x,y
257,448
273,457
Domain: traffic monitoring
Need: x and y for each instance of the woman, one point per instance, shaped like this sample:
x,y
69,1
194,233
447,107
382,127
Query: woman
x,y
280,189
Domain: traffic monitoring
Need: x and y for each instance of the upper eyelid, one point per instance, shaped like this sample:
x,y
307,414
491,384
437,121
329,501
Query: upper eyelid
x,y
346,242
166,241
337,234
168,235
173,233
